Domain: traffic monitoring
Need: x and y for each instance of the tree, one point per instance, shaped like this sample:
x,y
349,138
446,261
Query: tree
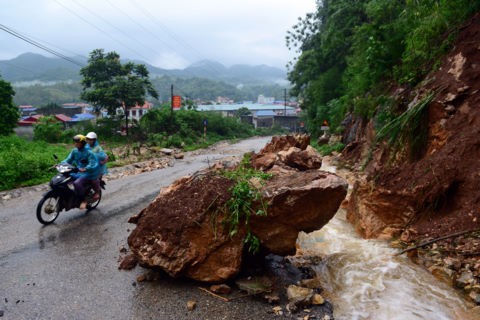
x,y
9,113
243,111
109,84
48,129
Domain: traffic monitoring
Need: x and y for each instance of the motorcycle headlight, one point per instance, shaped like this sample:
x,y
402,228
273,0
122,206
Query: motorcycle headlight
x,y
63,168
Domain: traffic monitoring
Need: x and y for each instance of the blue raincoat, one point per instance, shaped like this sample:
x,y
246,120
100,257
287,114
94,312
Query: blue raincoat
x,y
84,158
101,156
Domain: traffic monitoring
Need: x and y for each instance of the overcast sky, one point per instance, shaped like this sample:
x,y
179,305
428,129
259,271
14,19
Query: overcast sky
x,y
165,33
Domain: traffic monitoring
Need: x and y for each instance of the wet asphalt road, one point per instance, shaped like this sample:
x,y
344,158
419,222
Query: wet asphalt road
x,y
69,270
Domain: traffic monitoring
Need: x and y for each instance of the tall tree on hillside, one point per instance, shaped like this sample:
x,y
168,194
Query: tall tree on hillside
x,y
9,113
109,84
323,39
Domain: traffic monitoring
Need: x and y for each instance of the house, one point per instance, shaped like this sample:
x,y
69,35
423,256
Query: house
x,y
263,118
81,117
263,115
230,110
25,125
137,111
27,110
265,100
31,120
76,107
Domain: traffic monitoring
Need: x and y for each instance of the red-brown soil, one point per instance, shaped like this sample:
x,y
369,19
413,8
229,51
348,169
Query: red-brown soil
x,y
442,185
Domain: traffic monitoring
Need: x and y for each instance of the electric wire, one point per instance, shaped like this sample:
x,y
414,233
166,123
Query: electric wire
x,y
139,25
174,36
102,31
38,45
113,26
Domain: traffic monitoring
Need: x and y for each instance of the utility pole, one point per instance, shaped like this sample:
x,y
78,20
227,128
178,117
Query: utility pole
x,y
285,102
171,107
171,100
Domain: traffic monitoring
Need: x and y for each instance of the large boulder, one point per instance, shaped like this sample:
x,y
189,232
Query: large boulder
x,y
297,201
184,230
181,231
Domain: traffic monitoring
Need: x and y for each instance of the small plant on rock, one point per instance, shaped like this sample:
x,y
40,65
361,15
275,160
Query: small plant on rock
x,y
245,198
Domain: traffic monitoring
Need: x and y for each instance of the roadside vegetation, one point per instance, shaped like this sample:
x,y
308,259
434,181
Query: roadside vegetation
x,y
26,163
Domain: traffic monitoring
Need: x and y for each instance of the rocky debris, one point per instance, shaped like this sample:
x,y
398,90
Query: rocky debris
x,y
139,167
324,139
191,305
166,151
299,297
183,231
128,262
287,152
455,261
254,285
297,285
221,288
15,193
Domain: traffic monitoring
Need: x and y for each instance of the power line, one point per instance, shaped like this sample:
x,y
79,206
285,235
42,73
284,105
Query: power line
x,y
140,25
113,26
174,36
104,32
38,45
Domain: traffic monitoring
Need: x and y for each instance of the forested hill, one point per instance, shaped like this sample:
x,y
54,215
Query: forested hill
x,y
354,53
31,67
39,80
193,88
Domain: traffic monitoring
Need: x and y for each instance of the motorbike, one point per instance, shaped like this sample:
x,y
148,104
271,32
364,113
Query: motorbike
x,y
61,195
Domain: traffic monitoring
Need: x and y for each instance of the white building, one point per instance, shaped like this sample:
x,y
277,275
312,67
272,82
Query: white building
x,y
265,100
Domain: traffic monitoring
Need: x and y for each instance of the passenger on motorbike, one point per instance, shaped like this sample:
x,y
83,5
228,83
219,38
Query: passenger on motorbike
x,y
94,146
87,165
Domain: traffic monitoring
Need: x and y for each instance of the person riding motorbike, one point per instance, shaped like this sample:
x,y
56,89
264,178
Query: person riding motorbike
x,y
94,146
87,165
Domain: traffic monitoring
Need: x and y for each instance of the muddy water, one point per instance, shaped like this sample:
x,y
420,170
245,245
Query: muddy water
x,y
365,280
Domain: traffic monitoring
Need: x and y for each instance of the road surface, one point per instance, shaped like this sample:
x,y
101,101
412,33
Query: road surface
x,y
69,270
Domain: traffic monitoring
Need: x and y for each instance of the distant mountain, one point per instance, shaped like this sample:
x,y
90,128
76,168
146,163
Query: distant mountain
x,y
30,67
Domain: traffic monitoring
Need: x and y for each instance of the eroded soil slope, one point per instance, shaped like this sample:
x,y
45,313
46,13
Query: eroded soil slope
x,y
438,193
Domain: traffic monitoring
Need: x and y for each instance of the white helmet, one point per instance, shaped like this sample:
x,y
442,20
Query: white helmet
x,y
91,135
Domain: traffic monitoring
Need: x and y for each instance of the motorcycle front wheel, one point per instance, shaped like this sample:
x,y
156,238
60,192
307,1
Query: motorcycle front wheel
x,y
48,208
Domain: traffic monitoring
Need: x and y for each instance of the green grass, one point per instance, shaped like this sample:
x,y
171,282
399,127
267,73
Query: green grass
x,y
25,163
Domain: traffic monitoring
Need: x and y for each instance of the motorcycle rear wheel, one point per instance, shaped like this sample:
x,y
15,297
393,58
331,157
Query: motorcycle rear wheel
x,y
91,202
48,208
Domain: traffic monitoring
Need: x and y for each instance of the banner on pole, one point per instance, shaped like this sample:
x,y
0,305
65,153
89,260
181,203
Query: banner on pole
x,y
176,102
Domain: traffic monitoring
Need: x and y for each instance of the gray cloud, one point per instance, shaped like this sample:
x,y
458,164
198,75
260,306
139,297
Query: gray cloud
x,y
163,33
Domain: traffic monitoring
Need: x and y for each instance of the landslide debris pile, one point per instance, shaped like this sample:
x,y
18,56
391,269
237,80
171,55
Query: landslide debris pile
x,y
186,231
